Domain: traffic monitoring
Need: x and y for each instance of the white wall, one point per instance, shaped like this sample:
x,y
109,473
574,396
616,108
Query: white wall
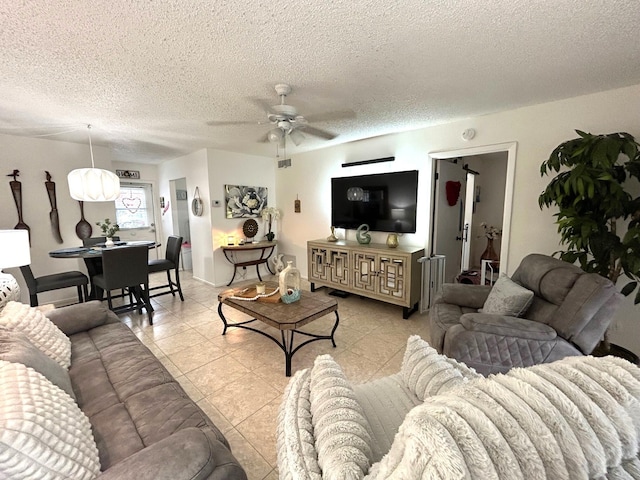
x,y
32,156
210,170
194,168
227,168
536,129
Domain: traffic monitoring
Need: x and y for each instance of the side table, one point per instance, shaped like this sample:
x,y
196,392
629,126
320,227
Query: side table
x,y
231,254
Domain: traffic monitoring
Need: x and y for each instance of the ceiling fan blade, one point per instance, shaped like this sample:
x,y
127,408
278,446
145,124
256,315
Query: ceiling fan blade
x,y
262,104
329,116
320,133
216,123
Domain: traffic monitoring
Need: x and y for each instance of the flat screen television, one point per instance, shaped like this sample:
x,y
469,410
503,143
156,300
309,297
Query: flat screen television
x,y
387,202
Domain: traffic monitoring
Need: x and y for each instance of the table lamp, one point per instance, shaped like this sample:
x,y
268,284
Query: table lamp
x,y
14,252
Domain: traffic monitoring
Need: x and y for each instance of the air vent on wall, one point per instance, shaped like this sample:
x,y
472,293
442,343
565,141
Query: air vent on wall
x,y
367,162
284,163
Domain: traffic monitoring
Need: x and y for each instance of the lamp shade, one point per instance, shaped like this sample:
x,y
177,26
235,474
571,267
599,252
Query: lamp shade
x,y
93,185
14,248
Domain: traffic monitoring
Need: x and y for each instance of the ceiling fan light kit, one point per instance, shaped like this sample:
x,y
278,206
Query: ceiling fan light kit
x,y
286,122
93,184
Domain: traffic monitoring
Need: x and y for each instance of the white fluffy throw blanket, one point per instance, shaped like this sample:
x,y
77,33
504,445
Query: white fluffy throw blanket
x,y
578,418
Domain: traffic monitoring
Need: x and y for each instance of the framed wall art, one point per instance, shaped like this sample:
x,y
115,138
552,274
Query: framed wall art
x,y
243,201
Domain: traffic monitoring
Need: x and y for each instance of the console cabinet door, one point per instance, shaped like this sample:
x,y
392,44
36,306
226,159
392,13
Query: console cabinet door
x,y
392,276
365,271
329,265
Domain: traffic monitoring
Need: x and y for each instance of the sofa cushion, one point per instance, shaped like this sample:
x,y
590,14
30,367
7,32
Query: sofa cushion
x,y
426,372
507,298
297,458
342,434
43,433
40,330
130,398
15,347
385,402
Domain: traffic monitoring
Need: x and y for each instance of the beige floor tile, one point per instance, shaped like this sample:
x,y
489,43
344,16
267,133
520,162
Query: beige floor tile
x,y
191,390
216,417
255,465
255,393
196,356
215,375
180,341
377,347
260,430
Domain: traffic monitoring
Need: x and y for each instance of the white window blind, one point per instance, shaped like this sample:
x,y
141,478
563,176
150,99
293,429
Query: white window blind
x,y
132,206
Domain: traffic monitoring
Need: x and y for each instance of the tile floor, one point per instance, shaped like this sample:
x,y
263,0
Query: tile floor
x,y
238,379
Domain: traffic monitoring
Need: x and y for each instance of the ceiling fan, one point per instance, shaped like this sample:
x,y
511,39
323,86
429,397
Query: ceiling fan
x,y
286,121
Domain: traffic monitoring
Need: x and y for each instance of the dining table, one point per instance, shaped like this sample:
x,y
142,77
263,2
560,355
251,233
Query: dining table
x,y
92,257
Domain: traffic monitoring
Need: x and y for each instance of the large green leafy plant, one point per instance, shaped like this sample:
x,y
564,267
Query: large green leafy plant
x,y
596,193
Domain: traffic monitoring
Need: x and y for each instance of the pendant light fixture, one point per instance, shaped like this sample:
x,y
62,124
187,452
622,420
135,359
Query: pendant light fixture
x,y
93,184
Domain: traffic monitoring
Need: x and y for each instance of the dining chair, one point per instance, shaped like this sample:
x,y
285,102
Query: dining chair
x,y
126,268
54,281
170,262
90,242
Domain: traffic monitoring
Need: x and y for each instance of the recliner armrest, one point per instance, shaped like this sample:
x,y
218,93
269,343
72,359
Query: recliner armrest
x,y
507,326
463,294
189,454
81,317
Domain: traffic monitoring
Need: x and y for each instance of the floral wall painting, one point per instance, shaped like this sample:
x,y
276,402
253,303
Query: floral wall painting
x,y
243,202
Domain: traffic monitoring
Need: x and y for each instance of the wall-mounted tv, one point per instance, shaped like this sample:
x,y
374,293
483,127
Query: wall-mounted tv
x,y
387,202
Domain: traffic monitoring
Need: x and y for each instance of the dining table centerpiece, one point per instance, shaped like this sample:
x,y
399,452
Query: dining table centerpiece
x,y
108,230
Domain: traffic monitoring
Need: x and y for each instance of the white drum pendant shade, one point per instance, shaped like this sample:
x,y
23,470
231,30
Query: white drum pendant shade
x,y
93,185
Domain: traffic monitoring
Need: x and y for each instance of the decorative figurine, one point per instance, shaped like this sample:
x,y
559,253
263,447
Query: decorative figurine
x,y
362,234
332,237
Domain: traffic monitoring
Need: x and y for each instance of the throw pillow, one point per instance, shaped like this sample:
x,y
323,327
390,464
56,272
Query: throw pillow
x,y
507,298
15,347
41,331
342,434
426,372
296,449
43,433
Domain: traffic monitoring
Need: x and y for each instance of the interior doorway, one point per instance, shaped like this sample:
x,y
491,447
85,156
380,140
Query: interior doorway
x,y
471,187
180,218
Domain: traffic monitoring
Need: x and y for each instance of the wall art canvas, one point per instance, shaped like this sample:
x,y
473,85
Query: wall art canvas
x,y
243,201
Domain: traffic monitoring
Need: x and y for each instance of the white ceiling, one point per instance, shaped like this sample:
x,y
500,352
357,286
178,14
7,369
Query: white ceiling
x,y
149,75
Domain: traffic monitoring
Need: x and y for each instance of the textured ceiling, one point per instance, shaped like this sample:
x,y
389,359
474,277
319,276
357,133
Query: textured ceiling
x,y
150,75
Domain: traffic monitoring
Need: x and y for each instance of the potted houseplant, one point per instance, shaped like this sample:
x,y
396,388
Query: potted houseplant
x,y
596,193
269,214
108,230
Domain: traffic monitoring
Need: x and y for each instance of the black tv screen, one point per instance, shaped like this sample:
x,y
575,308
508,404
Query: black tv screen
x,y
387,202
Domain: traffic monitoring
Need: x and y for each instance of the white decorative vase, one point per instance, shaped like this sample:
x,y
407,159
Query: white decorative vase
x,y
289,283
109,242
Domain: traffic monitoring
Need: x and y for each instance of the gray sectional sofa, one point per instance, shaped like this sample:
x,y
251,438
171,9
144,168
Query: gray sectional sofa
x,y
144,424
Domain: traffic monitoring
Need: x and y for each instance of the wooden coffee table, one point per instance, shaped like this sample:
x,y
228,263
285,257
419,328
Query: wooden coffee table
x,y
287,318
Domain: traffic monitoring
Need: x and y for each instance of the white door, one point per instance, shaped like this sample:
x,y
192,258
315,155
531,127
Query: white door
x,y
135,213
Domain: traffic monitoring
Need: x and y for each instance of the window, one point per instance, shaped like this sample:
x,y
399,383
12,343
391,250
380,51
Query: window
x,y
133,206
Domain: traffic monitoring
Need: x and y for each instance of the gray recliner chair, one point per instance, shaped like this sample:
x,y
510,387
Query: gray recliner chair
x,y
569,314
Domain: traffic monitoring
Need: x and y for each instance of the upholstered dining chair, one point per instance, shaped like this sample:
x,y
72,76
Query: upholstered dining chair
x,y
170,262
547,310
55,281
126,268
